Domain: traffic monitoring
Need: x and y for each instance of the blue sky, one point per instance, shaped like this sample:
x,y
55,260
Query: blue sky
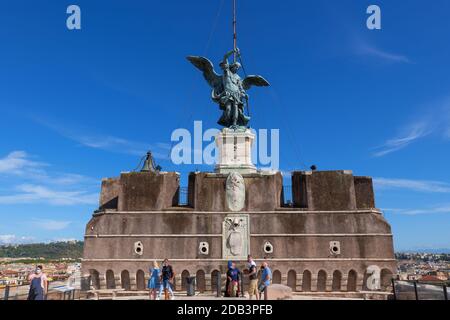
x,y
80,105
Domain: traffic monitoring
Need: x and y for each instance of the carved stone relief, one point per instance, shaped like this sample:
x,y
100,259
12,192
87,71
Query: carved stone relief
x,y
235,192
235,236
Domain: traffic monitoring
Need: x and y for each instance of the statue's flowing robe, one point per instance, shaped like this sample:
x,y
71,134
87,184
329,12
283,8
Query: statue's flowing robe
x,y
233,96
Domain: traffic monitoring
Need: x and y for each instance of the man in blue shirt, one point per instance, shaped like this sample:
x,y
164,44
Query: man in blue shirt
x,y
233,277
266,279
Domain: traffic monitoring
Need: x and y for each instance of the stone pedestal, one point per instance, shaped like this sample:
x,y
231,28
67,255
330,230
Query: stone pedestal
x,y
235,151
141,210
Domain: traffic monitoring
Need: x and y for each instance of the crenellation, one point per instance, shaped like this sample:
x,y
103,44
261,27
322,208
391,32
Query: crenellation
x,y
331,208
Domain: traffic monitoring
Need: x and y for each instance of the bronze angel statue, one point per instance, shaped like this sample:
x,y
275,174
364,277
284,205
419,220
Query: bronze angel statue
x,y
228,90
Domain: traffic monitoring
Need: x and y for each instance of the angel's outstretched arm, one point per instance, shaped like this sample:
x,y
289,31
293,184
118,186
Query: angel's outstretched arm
x,y
227,55
225,63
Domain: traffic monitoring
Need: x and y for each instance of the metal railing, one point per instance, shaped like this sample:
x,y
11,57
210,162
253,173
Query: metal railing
x,y
287,193
416,290
54,293
57,290
183,199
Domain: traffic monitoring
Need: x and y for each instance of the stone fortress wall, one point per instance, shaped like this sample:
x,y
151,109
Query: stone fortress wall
x,y
326,241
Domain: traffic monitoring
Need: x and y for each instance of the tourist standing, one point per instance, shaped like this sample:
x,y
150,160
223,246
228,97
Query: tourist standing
x,y
38,285
167,276
253,277
153,282
266,279
233,275
227,283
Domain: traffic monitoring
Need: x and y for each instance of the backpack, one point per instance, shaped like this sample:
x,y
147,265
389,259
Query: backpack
x,y
167,272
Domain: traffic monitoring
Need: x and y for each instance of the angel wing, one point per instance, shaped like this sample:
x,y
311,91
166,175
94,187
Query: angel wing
x,y
251,80
206,66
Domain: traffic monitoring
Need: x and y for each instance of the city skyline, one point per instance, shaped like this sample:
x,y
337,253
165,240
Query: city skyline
x,y
80,105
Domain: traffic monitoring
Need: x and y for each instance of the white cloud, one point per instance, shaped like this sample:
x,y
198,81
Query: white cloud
x,y
417,186
29,182
382,54
68,179
446,122
13,239
111,143
19,163
412,212
414,185
435,120
362,47
108,142
120,145
7,238
29,193
50,225
65,240
409,135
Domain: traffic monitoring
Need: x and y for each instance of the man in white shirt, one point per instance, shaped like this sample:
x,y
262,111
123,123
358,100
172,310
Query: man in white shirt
x,y
253,276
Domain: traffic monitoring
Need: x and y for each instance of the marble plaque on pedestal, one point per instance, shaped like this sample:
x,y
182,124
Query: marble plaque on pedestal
x,y
235,151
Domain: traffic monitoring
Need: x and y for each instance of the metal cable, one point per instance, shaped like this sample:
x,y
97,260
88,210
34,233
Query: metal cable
x,y
245,74
140,163
205,51
290,134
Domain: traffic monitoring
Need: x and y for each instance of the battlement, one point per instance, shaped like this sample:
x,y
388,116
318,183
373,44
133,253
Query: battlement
x,y
311,190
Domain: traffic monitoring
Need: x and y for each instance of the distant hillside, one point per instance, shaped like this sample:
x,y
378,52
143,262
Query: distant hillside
x,y
53,250
427,250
